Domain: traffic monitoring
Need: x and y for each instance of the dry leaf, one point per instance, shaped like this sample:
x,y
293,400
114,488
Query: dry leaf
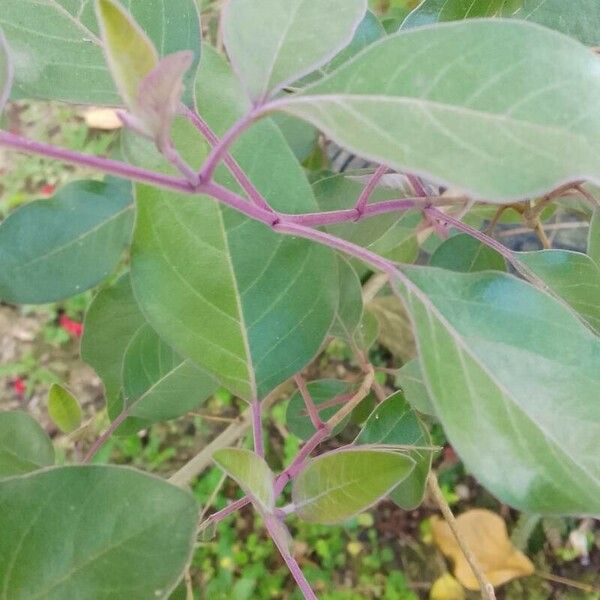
x,y
105,119
395,331
485,534
446,588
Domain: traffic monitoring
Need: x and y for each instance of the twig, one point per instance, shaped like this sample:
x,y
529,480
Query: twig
x,y
368,190
486,588
105,436
311,409
257,433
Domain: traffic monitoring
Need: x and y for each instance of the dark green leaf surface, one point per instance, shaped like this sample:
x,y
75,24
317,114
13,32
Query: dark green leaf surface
x,y
93,533
158,384
465,254
24,445
393,422
572,276
251,472
57,51
433,101
340,484
273,43
577,18
321,391
53,249
514,378
250,306
63,409
111,322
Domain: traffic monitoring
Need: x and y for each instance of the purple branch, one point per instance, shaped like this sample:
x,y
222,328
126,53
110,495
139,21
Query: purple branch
x,y
259,445
204,128
417,185
313,413
95,447
363,199
107,165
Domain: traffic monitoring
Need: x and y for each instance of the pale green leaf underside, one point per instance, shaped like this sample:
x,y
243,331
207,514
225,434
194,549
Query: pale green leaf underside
x,y
158,384
251,472
53,249
513,376
577,18
6,71
573,276
24,445
56,48
341,484
273,43
93,533
63,408
410,379
433,101
393,422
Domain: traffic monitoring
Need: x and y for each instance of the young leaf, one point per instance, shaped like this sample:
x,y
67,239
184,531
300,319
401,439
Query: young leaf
x,y
340,484
513,377
111,321
251,472
573,276
53,249
6,72
93,532
63,408
410,379
273,43
322,391
578,18
486,536
393,422
159,385
45,36
24,445
465,254
249,293
451,120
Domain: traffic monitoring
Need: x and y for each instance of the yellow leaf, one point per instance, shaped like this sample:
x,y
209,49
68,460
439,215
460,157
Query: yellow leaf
x,y
130,54
485,534
446,588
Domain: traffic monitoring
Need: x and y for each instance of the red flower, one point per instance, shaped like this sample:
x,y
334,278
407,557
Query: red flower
x,y
73,327
48,189
19,386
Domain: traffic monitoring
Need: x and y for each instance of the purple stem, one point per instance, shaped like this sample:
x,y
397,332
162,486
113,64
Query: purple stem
x,y
313,413
417,185
107,165
222,148
363,199
204,128
95,447
259,444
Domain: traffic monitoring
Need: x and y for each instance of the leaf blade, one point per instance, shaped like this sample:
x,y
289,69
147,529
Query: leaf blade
x,y
63,408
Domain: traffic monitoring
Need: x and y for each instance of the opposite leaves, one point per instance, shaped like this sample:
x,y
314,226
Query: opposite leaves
x,y
432,101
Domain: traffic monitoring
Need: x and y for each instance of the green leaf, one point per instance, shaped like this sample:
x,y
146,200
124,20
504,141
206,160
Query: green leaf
x,y
91,532
577,18
273,43
410,379
63,408
465,254
250,306
349,312
394,423
451,120
53,249
513,377
46,36
112,320
340,484
368,332
251,472
392,235
130,54
158,384
594,238
572,276
322,391
6,71
24,445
